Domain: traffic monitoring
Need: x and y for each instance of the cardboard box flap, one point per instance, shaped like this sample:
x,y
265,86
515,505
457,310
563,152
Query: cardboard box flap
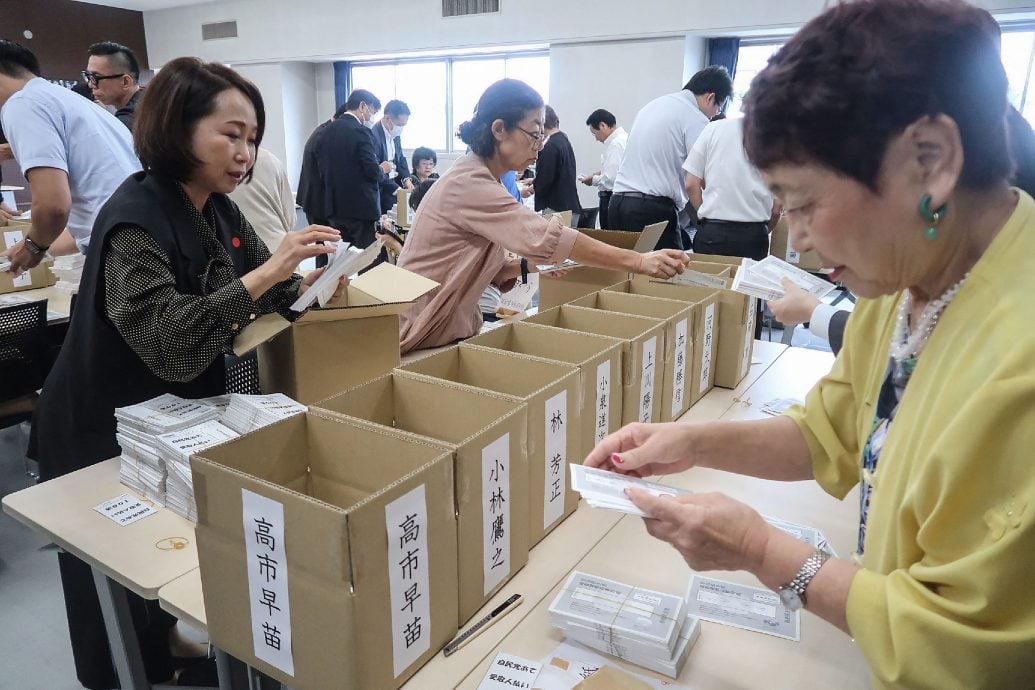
x,y
390,284
641,242
266,327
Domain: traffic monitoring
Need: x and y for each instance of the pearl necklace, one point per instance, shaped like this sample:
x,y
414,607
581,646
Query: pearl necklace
x,y
906,344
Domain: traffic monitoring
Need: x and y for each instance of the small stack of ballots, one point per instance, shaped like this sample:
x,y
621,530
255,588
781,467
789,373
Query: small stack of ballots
x,y
175,449
138,427
763,279
603,489
641,626
69,271
250,412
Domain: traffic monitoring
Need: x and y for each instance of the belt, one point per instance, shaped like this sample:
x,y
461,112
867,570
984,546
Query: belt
x,y
649,197
604,192
702,221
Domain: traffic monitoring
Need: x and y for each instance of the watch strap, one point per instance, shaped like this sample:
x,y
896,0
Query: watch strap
x,y
35,248
800,582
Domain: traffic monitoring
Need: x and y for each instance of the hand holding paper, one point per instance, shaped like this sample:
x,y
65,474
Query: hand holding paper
x,y
643,450
607,490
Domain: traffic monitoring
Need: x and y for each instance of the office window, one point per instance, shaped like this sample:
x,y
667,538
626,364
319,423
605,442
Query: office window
x,y
443,92
751,58
1018,52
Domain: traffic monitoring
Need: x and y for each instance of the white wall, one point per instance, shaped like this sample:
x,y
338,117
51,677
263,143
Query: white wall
x,y
618,76
300,112
268,78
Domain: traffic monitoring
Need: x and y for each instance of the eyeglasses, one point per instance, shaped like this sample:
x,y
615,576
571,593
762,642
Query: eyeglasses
x,y
538,138
94,78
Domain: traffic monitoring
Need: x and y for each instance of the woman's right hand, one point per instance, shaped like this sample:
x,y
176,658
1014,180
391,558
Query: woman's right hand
x,y
298,246
663,263
643,450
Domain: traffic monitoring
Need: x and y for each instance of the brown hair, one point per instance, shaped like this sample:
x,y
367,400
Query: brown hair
x,y
183,92
857,75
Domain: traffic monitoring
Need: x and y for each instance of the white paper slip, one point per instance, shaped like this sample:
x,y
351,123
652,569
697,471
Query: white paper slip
x,y
563,266
345,261
520,297
740,606
751,284
692,277
803,533
607,489
774,270
580,663
778,406
125,509
507,672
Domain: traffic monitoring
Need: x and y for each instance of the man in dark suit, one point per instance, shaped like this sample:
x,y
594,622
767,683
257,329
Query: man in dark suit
x,y
555,175
344,191
387,140
311,185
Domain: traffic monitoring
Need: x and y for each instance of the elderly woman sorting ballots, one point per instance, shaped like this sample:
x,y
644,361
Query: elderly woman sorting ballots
x,y
881,128
468,221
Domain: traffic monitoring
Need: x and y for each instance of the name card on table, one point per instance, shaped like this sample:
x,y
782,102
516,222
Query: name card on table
x,y
508,671
268,580
125,509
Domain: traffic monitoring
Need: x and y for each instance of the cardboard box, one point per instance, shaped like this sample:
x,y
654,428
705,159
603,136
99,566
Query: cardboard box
x,y
326,351
551,391
599,359
328,551
737,315
36,277
403,213
643,342
472,423
780,247
677,384
583,280
704,304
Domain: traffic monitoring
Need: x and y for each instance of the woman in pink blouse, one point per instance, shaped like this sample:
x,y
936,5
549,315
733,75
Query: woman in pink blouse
x,y
468,221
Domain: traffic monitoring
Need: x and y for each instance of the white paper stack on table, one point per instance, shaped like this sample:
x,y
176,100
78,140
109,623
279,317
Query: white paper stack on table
x,y
603,489
69,271
175,449
5,264
647,628
763,279
138,427
250,412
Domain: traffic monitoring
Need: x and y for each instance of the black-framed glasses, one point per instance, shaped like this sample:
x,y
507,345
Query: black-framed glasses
x,y
94,78
538,138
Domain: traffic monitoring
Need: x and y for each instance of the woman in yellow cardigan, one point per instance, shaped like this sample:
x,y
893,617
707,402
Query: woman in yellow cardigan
x,y
880,127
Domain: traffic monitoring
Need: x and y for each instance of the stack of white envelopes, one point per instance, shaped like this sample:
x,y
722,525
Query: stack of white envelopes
x,y
250,412
175,449
69,271
641,626
138,427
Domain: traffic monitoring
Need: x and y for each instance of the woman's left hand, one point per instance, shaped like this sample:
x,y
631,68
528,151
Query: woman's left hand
x,y
311,278
711,531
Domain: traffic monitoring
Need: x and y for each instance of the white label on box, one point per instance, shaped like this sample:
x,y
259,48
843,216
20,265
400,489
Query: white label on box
x,y
496,512
647,379
749,336
23,281
406,522
12,237
706,363
508,671
555,458
603,408
679,371
792,256
268,580
125,509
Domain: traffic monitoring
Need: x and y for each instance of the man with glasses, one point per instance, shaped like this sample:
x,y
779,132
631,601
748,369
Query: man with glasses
x,y
113,75
73,154
650,183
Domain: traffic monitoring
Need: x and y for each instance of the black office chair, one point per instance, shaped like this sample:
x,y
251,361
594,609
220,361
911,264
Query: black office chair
x,y
24,361
242,374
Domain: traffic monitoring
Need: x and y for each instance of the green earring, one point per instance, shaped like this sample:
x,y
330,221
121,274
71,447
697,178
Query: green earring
x,y
931,217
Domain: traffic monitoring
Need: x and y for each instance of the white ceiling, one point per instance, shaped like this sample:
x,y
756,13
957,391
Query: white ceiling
x,y
145,5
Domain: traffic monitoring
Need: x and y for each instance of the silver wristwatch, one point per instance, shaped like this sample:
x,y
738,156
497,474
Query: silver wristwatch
x,y
793,593
34,248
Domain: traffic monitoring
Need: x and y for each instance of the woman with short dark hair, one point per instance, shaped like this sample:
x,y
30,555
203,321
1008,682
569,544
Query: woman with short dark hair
x,y
881,127
468,221
174,273
424,162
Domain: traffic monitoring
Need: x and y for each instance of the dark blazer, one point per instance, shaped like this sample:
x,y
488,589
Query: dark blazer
x,y
555,176
348,163
311,195
389,185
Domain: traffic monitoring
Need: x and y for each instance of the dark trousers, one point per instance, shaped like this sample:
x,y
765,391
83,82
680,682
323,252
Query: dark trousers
x,y
93,665
633,213
359,232
729,238
605,200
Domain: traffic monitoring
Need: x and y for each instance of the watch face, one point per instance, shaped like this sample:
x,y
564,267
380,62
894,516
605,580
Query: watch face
x,y
791,600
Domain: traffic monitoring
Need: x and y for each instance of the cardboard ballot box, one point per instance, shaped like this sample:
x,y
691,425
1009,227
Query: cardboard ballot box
x,y
677,359
599,359
643,342
737,316
486,433
780,247
328,551
349,342
551,391
583,280
14,231
703,327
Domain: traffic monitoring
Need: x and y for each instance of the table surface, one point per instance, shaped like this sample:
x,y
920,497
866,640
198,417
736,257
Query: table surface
x,y
141,556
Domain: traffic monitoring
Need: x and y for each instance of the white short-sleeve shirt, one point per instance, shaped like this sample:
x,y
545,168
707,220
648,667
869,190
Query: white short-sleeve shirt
x,y
51,127
733,189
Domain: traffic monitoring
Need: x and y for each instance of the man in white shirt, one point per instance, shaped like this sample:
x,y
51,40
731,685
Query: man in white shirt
x,y
650,183
388,143
734,207
73,154
604,127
